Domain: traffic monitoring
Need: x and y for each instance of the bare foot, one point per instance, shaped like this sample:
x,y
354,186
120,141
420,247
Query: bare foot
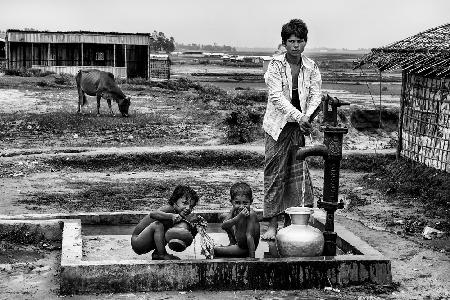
x,y
269,234
156,256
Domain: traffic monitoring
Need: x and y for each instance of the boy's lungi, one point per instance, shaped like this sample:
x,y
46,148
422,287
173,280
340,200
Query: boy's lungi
x,y
283,173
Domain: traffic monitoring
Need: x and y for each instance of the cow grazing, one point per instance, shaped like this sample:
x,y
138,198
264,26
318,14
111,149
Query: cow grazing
x,y
101,84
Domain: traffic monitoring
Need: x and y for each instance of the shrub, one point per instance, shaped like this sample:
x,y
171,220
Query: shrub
x,y
251,95
137,81
180,84
46,73
120,80
27,72
242,126
64,79
17,72
42,83
35,72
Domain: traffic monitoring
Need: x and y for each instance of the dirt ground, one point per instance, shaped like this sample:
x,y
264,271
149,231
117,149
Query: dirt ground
x,y
53,160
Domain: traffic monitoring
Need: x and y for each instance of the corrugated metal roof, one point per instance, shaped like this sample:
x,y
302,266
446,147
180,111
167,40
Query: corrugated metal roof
x,y
426,53
79,31
78,37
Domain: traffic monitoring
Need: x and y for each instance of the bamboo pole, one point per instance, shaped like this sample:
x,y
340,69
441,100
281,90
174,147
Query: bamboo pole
x,y
8,53
126,69
401,113
48,55
148,57
114,54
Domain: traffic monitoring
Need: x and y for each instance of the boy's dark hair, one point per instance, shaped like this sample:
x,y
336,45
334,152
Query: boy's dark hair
x,y
295,27
241,188
182,190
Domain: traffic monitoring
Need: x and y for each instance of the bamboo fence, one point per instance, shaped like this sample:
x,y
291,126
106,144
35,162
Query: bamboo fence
x,y
425,124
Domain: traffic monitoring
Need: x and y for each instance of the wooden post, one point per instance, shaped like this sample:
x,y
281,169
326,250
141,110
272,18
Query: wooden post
x,y
8,53
148,57
82,55
32,54
126,69
114,61
48,55
401,113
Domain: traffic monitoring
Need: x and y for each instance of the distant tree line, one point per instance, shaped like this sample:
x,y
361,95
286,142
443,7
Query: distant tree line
x,y
162,43
211,48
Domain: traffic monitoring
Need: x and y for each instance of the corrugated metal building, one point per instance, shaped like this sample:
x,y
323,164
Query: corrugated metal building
x,y
126,55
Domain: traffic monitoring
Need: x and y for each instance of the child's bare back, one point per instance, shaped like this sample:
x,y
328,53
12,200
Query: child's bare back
x,y
149,234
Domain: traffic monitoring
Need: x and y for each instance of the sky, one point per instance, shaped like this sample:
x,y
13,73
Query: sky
x,y
350,24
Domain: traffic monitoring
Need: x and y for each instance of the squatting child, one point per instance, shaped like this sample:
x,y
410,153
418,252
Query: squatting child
x,y
241,224
149,234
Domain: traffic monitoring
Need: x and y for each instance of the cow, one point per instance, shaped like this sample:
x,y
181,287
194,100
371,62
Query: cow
x,y
101,84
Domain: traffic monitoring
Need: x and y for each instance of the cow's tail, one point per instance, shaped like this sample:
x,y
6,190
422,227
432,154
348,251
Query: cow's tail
x,y
80,91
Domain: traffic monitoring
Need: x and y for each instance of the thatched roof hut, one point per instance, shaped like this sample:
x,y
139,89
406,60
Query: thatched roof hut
x,y
424,123
426,53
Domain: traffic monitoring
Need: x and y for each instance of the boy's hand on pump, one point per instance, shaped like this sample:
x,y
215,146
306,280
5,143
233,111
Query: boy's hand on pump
x,y
305,126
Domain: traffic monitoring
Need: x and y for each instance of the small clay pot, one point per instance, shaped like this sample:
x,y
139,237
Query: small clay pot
x,y
180,236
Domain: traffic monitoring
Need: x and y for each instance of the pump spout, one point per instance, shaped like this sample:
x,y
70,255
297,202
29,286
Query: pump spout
x,y
316,150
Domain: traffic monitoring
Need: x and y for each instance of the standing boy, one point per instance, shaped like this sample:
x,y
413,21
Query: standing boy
x,y
294,87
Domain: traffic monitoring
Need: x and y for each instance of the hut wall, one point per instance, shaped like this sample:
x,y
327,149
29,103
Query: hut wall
x,y
425,123
159,68
20,55
118,72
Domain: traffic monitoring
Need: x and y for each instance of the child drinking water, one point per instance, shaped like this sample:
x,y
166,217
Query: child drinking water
x,y
241,224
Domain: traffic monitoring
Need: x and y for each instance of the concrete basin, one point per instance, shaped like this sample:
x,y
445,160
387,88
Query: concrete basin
x,y
97,258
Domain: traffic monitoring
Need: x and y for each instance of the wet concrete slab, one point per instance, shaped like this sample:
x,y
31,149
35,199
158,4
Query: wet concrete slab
x,y
113,242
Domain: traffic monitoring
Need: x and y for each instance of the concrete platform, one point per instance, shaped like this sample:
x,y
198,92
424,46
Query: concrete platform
x,y
113,242
98,259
